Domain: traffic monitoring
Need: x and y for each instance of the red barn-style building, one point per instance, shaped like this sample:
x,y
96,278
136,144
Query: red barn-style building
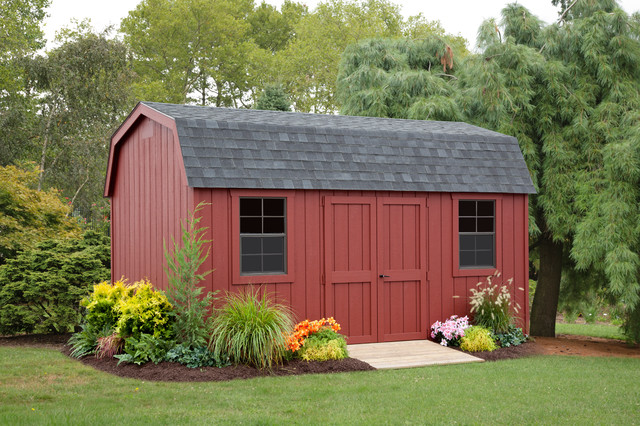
x,y
383,224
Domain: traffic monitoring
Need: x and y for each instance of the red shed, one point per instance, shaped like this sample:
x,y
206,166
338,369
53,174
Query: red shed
x,y
383,224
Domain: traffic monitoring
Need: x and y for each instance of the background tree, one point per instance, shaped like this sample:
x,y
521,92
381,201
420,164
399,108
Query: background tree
x,y
195,51
83,93
273,98
28,216
399,78
21,36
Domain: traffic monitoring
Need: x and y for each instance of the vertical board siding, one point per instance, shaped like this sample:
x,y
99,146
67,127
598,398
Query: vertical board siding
x,y
148,184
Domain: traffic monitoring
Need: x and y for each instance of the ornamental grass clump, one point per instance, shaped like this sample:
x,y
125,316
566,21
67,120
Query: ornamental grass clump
x,y
491,304
449,332
251,329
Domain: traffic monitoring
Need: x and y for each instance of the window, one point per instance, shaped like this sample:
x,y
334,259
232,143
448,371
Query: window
x,y
263,242
476,229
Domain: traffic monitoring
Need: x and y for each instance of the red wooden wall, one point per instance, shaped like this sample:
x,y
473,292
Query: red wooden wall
x,y
338,242
149,198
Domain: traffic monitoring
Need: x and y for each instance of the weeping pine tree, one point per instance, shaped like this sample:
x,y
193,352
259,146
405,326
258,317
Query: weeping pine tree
x,y
570,93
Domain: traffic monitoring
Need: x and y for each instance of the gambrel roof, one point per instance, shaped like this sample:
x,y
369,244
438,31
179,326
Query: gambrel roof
x,y
241,148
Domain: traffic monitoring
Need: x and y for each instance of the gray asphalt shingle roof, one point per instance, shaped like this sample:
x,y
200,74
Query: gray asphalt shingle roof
x,y
239,148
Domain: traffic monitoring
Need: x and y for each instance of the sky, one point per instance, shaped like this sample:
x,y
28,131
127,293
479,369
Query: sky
x,y
456,16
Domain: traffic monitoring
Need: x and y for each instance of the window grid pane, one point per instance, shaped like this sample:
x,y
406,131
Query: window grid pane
x,y
262,236
476,233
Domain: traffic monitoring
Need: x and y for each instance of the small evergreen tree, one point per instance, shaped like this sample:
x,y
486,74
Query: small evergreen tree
x,y
183,262
273,98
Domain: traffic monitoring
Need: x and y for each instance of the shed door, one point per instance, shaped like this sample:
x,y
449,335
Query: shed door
x,y
350,266
402,267
375,267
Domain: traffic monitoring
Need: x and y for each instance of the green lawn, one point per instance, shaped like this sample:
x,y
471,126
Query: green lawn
x,y
43,386
593,330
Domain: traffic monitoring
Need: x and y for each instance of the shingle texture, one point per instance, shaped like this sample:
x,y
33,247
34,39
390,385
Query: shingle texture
x,y
238,148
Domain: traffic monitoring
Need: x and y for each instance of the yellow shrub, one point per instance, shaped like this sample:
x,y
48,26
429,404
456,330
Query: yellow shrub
x,y
477,339
333,349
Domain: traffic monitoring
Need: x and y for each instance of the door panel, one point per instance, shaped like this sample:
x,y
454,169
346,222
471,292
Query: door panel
x,y
350,256
402,261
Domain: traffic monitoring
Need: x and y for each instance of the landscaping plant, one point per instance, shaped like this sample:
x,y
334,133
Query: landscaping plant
x,y
450,332
251,329
514,336
477,339
318,340
40,289
195,357
184,260
146,312
491,304
145,348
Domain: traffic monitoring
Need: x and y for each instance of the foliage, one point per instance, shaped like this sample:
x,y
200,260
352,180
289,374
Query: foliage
x,y
29,216
41,288
103,303
323,345
195,357
400,78
146,312
82,93
273,98
22,36
183,262
145,348
251,329
477,339
307,328
109,346
514,336
323,35
316,350
84,342
450,332
491,303
209,57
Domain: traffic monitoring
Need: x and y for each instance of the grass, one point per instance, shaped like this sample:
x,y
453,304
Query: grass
x,y
593,330
43,386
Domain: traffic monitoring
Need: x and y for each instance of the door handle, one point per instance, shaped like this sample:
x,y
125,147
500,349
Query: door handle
x,y
384,276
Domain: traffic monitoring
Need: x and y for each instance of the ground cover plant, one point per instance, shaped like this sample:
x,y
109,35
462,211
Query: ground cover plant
x,y
44,386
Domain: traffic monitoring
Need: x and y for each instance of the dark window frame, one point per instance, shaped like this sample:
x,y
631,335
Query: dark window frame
x,y
476,234
262,236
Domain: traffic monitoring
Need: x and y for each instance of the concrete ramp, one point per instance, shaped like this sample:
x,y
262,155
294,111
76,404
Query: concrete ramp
x,y
413,353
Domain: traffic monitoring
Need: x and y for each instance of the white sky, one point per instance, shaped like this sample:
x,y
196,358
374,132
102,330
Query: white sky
x,y
456,16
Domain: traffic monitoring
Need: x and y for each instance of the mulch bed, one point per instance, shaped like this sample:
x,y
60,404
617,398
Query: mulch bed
x,y
173,372
512,352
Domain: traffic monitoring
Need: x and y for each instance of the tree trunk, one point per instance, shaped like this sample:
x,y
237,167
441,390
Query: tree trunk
x,y
545,301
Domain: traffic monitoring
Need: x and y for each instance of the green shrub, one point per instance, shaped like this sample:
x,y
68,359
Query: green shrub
x,y
251,329
514,336
145,348
323,345
477,339
491,304
190,308
41,288
146,312
195,357
103,303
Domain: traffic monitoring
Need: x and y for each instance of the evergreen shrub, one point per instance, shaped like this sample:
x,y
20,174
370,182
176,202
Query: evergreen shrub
x,y
477,339
41,288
